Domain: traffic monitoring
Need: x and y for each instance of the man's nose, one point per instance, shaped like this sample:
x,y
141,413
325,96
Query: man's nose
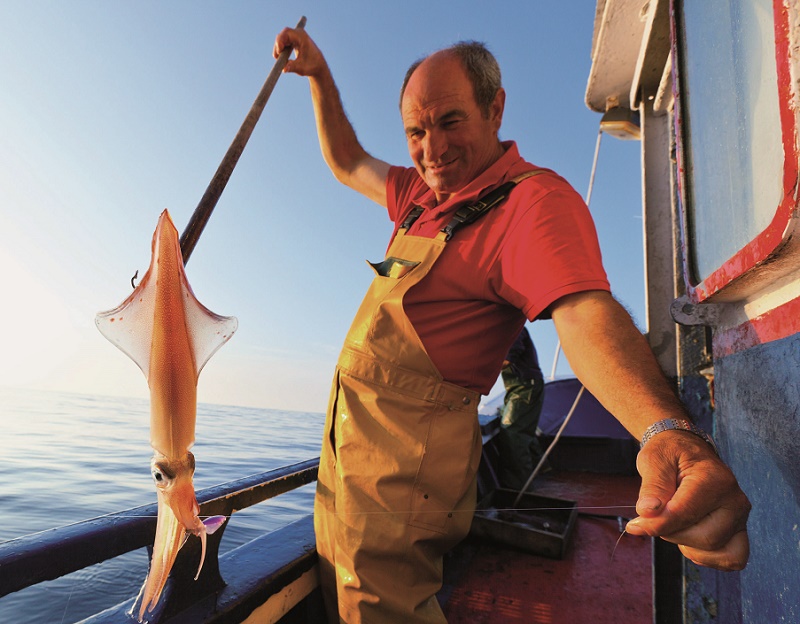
x,y
435,146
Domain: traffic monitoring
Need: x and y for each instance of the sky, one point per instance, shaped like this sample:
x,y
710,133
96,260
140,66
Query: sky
x,y
111,112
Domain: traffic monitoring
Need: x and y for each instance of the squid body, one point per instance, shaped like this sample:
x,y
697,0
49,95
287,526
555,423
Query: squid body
x,y
170,335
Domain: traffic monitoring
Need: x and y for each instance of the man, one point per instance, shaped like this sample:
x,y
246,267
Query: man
x,y
401,447
519,449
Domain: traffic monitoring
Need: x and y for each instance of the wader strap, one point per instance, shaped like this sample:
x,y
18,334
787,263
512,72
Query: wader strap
x,y
472,212
416,211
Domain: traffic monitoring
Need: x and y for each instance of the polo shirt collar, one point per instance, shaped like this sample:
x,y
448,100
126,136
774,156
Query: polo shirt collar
x,y
495,175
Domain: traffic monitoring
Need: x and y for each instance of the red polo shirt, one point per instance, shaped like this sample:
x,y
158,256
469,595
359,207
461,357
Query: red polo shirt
x,y
537,246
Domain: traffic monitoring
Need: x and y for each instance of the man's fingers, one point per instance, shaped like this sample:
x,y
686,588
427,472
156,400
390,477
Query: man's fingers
x,y
711,532
307,60
718,540
289,38
282,41
732,557
694,511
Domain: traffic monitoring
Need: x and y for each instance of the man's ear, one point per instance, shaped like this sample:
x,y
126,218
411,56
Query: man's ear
x,y
497,107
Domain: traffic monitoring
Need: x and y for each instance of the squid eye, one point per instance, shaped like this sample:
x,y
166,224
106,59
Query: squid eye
x,y
161,475
160,478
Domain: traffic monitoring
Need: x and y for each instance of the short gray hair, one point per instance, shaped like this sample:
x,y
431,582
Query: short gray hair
x,y
482,70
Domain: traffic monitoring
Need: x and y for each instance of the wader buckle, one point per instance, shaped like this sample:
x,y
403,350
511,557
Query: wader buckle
x,y
472,212
412,217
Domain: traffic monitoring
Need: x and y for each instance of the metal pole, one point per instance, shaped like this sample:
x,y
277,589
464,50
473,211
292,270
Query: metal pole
x,y
217,185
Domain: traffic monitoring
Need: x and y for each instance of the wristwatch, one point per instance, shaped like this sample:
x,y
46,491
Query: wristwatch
x,y
676,424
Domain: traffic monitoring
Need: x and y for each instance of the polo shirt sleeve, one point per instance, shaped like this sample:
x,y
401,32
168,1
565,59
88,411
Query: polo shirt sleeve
x,y
402,186
551,251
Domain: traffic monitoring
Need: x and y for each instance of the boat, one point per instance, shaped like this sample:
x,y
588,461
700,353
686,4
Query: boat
x,y
711,92
274,577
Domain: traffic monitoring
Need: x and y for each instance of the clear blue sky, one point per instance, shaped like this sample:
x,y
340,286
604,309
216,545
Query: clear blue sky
x,y
112,111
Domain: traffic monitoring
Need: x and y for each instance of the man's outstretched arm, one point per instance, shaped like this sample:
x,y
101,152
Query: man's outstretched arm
x,y
688,495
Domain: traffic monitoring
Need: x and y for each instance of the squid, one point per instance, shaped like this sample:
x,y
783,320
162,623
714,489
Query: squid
x,y
170,336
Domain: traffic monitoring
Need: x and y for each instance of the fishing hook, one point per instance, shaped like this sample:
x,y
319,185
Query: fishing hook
x,y
133,279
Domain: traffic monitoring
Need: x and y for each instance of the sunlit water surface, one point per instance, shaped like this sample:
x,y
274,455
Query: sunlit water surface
x,y
68,457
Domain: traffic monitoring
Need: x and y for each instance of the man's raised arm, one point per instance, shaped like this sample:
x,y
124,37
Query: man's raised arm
x,y
348,160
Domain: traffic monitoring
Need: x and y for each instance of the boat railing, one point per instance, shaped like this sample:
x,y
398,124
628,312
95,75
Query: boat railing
x,y
50,554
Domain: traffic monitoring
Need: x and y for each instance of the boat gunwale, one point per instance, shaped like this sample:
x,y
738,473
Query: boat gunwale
x,y
28,560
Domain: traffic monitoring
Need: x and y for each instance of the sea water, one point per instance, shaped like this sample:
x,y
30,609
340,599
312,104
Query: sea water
x,y
69,457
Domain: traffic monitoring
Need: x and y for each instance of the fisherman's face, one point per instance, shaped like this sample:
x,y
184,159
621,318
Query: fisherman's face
x,y
450,140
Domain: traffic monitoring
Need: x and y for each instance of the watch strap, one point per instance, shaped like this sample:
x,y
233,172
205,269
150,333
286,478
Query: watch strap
x,y
676,424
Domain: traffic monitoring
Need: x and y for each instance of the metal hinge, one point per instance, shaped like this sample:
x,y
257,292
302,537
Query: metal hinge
x,y
686,312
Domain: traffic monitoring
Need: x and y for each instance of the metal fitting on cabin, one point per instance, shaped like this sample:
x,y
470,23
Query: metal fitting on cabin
x,y
685,312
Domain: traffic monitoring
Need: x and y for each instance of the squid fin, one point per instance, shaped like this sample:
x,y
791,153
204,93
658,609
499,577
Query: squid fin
x,y
130,325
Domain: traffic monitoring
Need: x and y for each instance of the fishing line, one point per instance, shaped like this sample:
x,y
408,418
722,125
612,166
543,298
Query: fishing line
x,y
498,509
619,539
354,513
69,598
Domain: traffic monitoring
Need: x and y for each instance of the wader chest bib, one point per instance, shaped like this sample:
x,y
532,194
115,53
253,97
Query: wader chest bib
x,y
396,487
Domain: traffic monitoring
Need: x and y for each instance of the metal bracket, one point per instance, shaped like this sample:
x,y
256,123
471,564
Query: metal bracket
x,y
686,312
